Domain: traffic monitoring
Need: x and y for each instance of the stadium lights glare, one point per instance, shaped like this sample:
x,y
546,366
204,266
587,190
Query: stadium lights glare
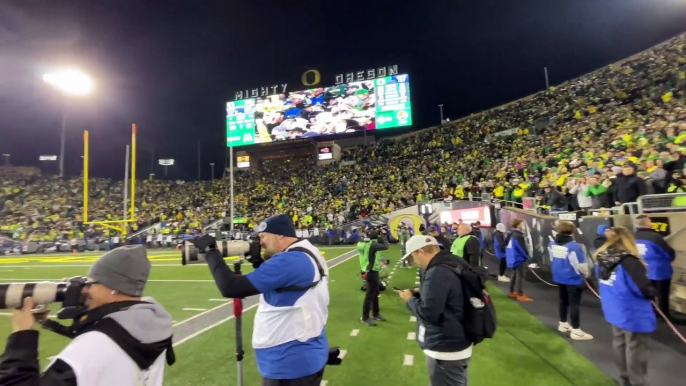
x,y
70,81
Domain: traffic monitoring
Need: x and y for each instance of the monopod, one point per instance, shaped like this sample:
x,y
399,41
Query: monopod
x,y
238,315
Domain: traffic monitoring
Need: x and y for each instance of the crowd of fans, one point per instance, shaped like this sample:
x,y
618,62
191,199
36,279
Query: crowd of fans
x,y
594,142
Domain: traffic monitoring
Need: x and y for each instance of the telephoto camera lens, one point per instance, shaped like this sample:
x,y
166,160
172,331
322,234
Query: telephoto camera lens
x,y
191,255
12,295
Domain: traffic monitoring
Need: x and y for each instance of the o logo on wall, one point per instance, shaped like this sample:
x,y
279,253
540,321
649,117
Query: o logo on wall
x,y
395,221
306,76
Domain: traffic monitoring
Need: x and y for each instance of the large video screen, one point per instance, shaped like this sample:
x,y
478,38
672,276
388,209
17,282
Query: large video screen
x,y
381,103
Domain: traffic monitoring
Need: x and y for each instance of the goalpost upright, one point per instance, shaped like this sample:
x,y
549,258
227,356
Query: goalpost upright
x,y
118,225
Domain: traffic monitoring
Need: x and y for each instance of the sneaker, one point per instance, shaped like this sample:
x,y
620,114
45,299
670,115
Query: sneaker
x,y
504,279
524,299
368,322
564,327
578,334
512,295
379,318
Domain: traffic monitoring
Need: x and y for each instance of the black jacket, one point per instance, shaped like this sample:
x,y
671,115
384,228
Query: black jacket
x,y
444,242
629,188
440,306
472,250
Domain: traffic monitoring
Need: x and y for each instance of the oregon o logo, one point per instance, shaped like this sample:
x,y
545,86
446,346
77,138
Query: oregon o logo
x,y
317,78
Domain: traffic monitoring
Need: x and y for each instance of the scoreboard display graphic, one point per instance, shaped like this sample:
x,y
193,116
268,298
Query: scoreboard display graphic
x,y
381,103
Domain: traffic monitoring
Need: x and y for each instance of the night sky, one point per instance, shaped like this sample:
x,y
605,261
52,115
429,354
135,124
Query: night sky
x,y
170,66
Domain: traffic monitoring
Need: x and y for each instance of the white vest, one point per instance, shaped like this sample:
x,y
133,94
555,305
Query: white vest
x,y
110,366
304,320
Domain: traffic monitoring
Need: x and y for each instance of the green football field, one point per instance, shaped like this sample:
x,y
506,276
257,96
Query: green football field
x,y
523,353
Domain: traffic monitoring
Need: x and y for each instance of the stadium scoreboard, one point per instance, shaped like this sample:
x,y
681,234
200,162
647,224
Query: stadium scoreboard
x,y
356,106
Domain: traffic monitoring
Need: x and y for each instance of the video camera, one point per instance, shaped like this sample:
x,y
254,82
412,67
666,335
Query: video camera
x,y
12,295
191,255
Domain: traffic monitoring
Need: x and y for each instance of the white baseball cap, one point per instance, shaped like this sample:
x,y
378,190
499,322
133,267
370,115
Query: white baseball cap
x,y
418,242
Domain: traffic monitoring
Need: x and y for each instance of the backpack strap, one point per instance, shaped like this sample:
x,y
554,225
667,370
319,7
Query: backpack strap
x,y
322,274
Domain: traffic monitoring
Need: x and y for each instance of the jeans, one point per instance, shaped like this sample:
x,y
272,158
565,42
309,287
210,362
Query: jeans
x,y
631,355
570,299
447,373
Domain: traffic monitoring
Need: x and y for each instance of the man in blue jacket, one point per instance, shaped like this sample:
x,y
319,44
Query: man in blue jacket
x,y
659,256
289,337
516,255
439,308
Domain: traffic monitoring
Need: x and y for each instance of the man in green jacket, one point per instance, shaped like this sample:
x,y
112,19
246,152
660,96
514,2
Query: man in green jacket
x,y
467,246
370,265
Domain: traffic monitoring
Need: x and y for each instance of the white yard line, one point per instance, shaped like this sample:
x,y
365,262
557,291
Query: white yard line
x,y
194,309
409,360
193,335
411,336
354,332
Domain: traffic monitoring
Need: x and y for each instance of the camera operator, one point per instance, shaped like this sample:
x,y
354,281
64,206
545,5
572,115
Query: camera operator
x,y
289,339
119,340
370,264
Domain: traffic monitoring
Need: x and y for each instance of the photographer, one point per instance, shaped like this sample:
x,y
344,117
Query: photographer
x,y
370,264
129,335
288,335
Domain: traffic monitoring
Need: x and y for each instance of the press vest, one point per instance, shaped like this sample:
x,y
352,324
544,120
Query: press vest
x,y
111,366
291,324
458,246
364,256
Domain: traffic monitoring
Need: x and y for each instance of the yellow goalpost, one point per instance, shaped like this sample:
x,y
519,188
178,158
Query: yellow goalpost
x,y
118,225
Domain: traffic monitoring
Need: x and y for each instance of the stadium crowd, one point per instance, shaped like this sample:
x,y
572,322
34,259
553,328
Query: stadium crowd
x,y
594,142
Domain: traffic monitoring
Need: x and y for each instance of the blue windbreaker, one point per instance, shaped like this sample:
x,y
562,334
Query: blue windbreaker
x,y
657,254
498,241
567,255
624,304
516,253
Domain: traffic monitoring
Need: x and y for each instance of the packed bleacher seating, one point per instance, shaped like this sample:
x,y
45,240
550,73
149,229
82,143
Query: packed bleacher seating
x,y
597,141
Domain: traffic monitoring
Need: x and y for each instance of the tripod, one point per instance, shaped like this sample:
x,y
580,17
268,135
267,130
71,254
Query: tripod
x,y
238,314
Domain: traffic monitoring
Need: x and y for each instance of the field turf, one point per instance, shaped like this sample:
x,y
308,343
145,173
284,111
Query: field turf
x,y
523,353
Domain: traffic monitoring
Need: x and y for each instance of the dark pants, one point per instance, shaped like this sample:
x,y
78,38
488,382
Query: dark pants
x,y
503,266
517,279
570,299
663,288
447,373
371,298
310,380
631,355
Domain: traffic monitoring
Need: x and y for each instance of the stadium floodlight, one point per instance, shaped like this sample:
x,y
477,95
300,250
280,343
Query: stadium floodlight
x,y
166,163
70,81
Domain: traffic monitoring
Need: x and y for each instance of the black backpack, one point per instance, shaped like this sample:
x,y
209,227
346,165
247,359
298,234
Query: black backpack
x,y
479,312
